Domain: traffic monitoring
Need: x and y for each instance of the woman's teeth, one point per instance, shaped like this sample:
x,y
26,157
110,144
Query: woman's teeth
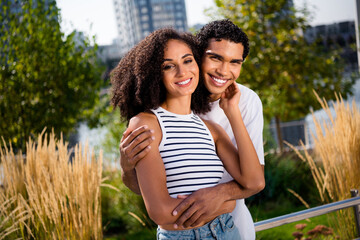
x,y
184,82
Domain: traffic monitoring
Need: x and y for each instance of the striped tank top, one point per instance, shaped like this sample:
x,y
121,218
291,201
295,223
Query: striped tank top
x,y
188,152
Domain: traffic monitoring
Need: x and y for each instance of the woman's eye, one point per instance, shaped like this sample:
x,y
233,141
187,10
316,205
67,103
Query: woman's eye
x,y
166,67
188,61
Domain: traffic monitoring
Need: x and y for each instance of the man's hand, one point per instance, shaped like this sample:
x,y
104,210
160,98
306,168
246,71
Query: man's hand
x,y
230,97
134,145
201,207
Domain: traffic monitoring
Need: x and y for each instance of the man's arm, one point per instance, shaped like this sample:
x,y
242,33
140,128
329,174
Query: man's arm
x,y
208,203
134,146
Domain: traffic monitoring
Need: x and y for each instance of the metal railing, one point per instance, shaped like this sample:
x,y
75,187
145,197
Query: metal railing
x,y
313,212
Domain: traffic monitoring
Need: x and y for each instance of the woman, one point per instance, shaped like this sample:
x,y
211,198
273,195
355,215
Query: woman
x,y
156,84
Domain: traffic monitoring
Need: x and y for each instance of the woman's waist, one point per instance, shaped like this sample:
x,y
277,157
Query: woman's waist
x,y
221,219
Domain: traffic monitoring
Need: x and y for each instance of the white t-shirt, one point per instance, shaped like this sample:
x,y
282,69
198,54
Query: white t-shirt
x,y
251,111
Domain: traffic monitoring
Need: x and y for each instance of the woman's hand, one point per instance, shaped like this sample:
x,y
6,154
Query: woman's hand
x,y
230,98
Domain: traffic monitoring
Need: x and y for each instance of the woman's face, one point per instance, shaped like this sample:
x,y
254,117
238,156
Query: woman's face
x,y
179,69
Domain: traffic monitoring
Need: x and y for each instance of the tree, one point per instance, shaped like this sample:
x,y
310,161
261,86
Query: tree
x,y
47,79
282,67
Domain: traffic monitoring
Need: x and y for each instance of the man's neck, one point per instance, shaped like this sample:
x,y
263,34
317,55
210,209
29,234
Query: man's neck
x,y
214,97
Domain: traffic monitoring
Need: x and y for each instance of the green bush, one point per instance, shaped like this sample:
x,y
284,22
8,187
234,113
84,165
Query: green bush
x,y
282,173
123,212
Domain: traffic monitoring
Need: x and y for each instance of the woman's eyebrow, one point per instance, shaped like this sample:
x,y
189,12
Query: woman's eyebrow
x,y
186,55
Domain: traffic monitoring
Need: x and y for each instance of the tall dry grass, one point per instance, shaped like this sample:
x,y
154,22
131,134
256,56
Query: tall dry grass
x,y
335,162
46,196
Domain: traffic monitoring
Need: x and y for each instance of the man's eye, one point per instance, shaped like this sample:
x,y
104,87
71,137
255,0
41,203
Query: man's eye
x,y
214,58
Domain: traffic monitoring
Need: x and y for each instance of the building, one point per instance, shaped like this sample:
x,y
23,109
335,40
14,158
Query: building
x,y
341,34
137,18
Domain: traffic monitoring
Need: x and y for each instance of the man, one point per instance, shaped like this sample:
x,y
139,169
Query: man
x,y
224,47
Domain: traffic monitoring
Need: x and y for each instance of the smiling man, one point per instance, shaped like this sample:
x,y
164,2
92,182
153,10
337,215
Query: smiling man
x,y
224,47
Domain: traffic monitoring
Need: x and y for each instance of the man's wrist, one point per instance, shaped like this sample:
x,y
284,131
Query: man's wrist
x,y
128,173
228,191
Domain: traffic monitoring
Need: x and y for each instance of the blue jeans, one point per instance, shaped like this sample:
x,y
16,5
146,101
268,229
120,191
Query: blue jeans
x,y
222,227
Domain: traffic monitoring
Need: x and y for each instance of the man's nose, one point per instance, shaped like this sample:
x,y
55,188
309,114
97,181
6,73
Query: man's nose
x,y
223,69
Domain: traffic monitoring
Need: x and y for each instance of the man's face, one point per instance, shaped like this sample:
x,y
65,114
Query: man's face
x,y
221,65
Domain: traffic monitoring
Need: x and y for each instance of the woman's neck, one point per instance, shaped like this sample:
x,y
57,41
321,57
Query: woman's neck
x,y
178,105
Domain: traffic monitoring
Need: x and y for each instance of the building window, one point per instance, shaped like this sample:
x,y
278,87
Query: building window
x,y
156,8
144,10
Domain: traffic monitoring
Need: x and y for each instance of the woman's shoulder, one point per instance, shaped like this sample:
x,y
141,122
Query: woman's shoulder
x,y
214,128
143,118
149,119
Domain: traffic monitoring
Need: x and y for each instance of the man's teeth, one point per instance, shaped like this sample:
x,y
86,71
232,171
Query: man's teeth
x,y
184,82
219,80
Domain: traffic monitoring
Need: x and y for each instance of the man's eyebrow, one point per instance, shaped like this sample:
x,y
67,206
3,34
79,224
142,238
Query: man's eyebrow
x,y
221,57
186,55
237,60
214,54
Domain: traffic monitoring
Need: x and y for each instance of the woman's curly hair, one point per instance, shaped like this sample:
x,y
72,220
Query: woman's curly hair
x,y
137,84
222,29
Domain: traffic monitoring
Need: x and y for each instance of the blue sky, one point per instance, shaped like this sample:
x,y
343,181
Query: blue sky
x,y
96,17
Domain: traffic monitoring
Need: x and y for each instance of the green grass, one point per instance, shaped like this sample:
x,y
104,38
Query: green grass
x,y
274,209
284,232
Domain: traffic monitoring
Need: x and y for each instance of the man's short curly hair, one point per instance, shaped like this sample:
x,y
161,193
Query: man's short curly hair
x,y
137,84
222,29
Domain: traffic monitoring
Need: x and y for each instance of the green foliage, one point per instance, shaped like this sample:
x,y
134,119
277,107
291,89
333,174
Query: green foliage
x,y
282,67
115,128
119,209
282,173
47,79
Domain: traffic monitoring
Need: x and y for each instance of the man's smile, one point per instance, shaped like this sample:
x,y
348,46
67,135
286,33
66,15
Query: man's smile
x,y
218,81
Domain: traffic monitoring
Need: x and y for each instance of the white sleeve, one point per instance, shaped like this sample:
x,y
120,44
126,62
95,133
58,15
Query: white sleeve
x,y
255,125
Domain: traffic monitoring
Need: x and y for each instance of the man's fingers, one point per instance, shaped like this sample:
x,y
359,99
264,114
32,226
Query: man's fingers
x,y
198,221
125,134
141,135
185,204
142,142
140,155
185,217
141,148
141,132
194,218
181,196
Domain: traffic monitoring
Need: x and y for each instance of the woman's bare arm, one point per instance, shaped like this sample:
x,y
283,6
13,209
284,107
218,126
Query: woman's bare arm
x,y
242,163
152,177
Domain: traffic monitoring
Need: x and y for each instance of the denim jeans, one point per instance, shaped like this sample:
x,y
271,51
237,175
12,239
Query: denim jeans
x,y
222,227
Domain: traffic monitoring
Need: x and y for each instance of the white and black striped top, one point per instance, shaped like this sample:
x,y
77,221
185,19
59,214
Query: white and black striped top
x,y
188,152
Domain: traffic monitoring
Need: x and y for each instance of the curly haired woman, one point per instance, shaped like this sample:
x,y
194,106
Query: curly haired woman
x,y
157,84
